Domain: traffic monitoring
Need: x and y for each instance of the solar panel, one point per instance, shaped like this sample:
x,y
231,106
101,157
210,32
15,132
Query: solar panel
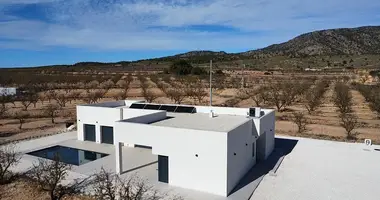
x,y
152,106
168,108
185,109
137,105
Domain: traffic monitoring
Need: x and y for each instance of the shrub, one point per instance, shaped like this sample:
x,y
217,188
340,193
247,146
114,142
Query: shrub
x,y
349,122
181,67
301,121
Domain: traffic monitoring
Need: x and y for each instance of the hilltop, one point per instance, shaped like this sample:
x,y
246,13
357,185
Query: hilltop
x,y
343,47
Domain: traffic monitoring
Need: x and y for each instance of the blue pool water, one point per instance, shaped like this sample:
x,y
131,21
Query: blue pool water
x,y
68,155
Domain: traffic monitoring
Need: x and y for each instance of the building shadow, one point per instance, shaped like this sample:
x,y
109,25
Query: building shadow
x,y
139,167
254,176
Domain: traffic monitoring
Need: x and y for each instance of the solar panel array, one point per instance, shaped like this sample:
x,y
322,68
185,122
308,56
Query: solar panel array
x,y
168,108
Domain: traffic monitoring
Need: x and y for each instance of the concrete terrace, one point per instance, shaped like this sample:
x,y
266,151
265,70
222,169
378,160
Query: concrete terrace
x,y
202,121
317,169
298,169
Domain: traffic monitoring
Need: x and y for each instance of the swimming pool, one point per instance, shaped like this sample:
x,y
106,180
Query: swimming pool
x,y
68,155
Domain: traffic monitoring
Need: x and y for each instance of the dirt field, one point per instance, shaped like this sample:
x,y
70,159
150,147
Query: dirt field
x,y
325,122
13,190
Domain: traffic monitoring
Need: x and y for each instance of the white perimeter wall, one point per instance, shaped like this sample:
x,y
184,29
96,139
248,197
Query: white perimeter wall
x,y
222,110
240,141
207,172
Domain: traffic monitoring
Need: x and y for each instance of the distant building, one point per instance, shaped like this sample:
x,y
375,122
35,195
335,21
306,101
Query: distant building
x,y
7,91
313,70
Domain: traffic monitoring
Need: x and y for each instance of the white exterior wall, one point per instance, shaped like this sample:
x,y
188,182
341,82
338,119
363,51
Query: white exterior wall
x,y
267,126
207,172
98,116
240,141
102,116
7,91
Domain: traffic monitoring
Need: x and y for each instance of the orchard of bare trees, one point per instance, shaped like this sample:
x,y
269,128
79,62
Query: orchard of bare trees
x,y
343,101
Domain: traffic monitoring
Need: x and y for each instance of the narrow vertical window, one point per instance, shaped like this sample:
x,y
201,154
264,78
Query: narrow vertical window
x,y
253,149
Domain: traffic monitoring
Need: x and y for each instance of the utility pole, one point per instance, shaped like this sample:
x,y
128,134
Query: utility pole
x,y
210,83
242,77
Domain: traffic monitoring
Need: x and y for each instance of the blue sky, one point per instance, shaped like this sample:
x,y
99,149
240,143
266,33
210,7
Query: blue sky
x,y
42,32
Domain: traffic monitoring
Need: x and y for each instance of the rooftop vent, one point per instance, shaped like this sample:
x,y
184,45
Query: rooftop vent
x,y
211,114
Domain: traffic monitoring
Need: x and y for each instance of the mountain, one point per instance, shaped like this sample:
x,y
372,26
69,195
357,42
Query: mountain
x,y
344,41
317,48
201,53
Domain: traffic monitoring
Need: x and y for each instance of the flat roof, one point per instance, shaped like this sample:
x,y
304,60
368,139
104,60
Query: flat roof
x,y
202,121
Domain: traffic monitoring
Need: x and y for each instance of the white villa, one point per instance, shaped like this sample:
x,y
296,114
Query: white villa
x,y
202,148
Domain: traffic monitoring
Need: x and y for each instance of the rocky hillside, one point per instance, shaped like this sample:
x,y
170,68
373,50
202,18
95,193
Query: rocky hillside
x,y
353,41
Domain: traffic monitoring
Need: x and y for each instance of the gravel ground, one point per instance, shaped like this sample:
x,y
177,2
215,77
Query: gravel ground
x,y
318,169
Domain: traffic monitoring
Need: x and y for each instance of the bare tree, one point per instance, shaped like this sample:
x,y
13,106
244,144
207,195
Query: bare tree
x,y
91,85
49,176
26,101
42,98
52,111
162,86
34,99
343,98
375,104
283,94
62,100
154,78
301,121
195,90
67,88
74,95
93,97
232,102
107,85
51,94
313,96
176,94
147,93
125,85
258,95
150,96
3,110
121,95
9,157
109,186
349,122
21,116
6,99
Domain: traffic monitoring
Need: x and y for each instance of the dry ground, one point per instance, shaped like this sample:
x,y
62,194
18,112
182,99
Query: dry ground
x,y
24,190
324,124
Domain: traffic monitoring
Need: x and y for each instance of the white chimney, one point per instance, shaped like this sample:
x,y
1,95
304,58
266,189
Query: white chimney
x,y
121,114
211,114
257,112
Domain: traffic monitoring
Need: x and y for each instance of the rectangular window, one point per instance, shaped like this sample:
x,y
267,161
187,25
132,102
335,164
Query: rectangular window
x,y
107,134
89,132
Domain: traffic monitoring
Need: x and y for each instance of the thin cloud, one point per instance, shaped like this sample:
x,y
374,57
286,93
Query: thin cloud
x,y
25,1
168,24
